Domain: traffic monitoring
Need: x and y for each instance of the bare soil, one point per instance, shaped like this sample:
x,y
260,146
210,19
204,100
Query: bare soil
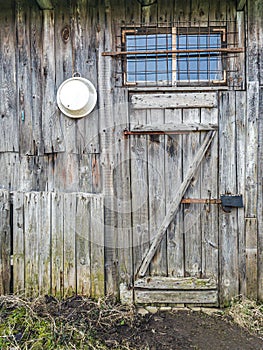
x,y
120,327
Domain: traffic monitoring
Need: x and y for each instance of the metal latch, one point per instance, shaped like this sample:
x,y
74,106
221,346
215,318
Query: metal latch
x,y
231,201
227,201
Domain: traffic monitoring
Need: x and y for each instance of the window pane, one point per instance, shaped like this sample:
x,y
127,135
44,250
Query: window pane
x,y
199,65
149,67
196,63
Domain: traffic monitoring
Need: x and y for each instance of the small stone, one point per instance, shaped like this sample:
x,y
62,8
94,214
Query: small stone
x,y
165,308
152,309
142,311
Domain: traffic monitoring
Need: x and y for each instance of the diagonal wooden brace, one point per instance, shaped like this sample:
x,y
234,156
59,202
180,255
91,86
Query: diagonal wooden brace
x,y
176,202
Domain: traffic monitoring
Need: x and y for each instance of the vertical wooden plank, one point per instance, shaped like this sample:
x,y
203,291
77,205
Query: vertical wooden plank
x,y
69,217
240,58
8,97
228,242
254,8
156,181
85,63
251,149
192,212
5,243
83,223
32,232
209,213
173,179
251,258
149,14
51,123
65,171
57,244
260,197
105,90
44,240
165,12
241,131
122,190
139,190
97,246
63,55
36,76
18,243
182,12
24,79
133,12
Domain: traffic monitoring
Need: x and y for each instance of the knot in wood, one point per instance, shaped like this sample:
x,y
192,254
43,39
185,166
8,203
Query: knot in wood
x,y
65,33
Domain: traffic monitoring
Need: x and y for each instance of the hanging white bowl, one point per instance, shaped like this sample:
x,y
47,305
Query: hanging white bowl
x,y
76,97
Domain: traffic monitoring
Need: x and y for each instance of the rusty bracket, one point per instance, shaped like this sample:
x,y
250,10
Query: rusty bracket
x,y
200,201
127,133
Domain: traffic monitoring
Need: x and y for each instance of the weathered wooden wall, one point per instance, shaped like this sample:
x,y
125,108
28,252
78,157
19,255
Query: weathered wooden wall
x,y
57,243
43,151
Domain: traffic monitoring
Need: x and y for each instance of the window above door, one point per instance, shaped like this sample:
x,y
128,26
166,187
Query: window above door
x,y
180,55
174,56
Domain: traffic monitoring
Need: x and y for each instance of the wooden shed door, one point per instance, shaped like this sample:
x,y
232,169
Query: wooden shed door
x,y
184,266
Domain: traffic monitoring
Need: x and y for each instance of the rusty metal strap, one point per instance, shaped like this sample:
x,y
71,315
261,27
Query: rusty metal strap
x,y
165,52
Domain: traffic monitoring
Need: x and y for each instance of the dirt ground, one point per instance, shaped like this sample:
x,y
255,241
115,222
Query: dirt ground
x,y
187,330
115,326
182,329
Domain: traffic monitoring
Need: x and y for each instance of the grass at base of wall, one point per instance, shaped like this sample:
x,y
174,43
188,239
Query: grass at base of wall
x,y
247,314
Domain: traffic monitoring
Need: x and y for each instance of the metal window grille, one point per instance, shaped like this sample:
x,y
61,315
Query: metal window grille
x,y
177,54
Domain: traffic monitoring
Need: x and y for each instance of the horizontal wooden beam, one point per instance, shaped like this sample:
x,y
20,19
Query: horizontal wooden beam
x,y
176,297
170,128
175,100
241,4
175,283
45,4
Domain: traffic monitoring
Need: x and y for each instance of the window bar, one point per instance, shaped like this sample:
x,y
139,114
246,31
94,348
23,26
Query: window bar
x,y
199,57
156,60
174,58
188,55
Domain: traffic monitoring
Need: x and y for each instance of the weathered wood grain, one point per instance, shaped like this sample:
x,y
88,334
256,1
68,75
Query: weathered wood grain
x,y
260,196
51,122
24,80
139,191
176,202
44,239
5,243
251,258
45,4
209,213
241,130
251,149
182,100
97,244
173,172
69,247
156,187
171,283
18,243
83,238
176,297
227,184
32,230
63,51
241,4
177,127
57,244
192,212
107,138
9,133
